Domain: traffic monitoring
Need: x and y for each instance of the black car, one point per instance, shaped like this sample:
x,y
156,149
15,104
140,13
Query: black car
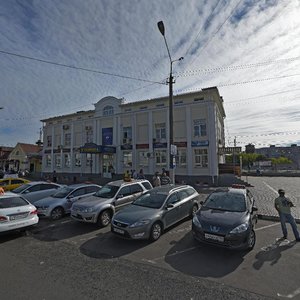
x,y
227,218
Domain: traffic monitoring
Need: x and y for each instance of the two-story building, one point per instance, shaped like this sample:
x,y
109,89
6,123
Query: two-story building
x,y
133,136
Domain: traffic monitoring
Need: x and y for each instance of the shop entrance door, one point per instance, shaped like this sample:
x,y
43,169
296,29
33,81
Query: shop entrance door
x,y
107,165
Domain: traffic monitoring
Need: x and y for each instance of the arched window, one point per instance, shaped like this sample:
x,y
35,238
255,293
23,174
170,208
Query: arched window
x,y
108,110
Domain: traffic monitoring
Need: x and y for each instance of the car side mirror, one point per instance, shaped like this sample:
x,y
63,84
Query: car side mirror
x,y
170,205
201,202
120,196
254,208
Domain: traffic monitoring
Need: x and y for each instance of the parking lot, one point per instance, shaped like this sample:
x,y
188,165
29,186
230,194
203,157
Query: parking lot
x,y
267,270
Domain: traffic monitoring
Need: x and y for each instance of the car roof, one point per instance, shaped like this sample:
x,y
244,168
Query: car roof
x,y
231,190
9,195
166,189
42,182
122,182
78,185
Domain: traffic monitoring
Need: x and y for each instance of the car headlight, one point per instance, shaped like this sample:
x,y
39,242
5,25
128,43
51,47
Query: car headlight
x,y
241,228
139,223
44,207
196,221
88,210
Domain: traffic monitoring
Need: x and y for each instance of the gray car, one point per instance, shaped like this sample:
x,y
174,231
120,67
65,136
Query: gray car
x,y
100,207
60,203
37,190
150,214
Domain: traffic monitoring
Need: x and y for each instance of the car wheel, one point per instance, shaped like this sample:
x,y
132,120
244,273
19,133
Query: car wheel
x,y
194,210
104,218
156,231
57,213
251,240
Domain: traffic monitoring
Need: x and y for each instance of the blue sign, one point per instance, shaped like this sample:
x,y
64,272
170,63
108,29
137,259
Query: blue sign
x,y
107,136
200,143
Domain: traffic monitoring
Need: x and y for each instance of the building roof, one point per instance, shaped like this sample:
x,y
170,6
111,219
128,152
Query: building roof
x,y
30,148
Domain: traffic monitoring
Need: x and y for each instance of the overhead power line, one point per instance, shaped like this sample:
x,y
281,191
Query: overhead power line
x,y
78,68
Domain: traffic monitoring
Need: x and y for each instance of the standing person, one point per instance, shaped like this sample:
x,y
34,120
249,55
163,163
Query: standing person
x,y
156,179
283,206
54,177
164,179
141,174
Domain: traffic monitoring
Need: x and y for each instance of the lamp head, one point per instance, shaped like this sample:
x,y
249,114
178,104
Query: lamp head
x,y
161,27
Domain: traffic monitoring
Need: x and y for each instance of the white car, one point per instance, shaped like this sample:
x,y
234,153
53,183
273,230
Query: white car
x,y
16,213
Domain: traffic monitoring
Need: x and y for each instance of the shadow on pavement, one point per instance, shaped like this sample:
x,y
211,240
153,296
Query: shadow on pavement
x,y
203,260
272,253
107,246
62,229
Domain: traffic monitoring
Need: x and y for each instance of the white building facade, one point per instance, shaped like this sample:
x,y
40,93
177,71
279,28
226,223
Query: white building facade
x,y
122,136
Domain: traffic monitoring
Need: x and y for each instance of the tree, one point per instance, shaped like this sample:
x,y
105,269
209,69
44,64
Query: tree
x,y
280,161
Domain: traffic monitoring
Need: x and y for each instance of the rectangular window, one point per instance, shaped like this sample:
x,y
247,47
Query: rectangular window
x,y
127,157
89,135
201,158
89,160
49,141
67,160
58,161
199,127
127,135
181,158
143,158
161,158
160,131
67,139
77,159
48,160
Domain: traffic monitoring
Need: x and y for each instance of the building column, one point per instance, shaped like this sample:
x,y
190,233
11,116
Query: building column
x,y
212,149
151,159
189,133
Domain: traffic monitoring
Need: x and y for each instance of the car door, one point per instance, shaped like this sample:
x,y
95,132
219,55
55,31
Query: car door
x,y
73,197
123,197
136,191
172,209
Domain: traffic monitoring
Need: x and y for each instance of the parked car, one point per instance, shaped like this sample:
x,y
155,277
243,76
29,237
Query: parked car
x,y
154,211
227,218
60,203
37,190
100,207
10,183
16,213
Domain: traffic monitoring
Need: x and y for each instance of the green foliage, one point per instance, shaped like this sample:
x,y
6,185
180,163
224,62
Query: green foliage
x,y
280,161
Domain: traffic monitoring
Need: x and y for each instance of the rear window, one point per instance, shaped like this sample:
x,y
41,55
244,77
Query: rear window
x,y
12,202
147,185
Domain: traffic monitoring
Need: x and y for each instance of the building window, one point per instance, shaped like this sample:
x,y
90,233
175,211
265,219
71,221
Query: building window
x,y
199,128
67,159
58,161
201,158
49,141
48,160
161,158
160,131
67,139
127,132
89,135
77,159
143,158
181,158
108,111
89,160
127,157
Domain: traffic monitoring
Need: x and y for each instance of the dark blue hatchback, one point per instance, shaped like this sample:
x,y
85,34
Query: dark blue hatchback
x,y
227,218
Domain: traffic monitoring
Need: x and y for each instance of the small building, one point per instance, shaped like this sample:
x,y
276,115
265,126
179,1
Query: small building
x,y
25,157
120,136
4,161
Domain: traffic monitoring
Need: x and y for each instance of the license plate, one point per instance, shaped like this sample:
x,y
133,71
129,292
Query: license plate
x,y
17,217
118,230
214,237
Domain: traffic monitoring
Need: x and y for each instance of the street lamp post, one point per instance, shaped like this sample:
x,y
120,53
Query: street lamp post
x,y
161,28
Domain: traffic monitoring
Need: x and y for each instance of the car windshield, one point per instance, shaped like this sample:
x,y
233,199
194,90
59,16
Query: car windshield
x,y
151,200
107,191
226,201
21,188
12,202
62,192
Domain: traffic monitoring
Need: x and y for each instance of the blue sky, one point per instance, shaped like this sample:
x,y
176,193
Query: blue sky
x,y
250,50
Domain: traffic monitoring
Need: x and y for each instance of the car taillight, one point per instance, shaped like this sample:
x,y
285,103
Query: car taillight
x,y
3,219
34,212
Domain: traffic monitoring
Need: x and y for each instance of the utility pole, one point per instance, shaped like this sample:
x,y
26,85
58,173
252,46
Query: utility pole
x,y
233,154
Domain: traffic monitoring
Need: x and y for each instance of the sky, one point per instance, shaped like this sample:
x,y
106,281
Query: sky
x,y
61,56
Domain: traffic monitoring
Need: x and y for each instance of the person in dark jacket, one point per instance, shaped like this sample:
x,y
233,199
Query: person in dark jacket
x,y
164,179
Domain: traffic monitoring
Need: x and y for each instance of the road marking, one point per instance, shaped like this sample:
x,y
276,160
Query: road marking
x,y
67,221
290,296
153,261
268,226
271,188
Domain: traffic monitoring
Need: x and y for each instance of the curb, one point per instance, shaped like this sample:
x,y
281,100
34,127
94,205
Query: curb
x,y
273,218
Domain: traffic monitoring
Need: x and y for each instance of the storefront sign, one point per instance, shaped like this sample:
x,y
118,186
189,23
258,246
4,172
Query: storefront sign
x,y
107,136
94,148
200,143
160,145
